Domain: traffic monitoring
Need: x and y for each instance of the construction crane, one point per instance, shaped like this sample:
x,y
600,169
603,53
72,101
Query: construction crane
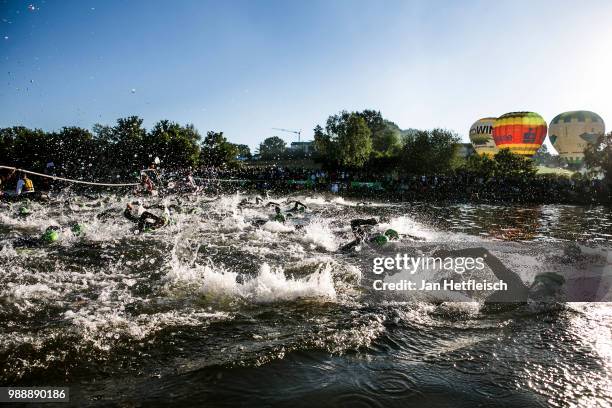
x,y
297,132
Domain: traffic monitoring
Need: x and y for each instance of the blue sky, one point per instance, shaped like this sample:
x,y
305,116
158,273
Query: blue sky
x,y
244,67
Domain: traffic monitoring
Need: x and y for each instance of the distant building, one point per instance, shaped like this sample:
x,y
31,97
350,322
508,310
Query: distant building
x,y
306,147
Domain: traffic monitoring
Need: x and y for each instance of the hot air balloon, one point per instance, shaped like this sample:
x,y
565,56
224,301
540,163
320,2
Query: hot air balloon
x,y
571,132
481,137
521,132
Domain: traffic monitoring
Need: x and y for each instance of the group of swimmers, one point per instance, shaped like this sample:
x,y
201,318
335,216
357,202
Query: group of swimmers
x,y
147,221
364,230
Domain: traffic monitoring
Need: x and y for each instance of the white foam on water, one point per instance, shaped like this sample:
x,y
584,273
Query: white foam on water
x,y
406,225
234,223
227,203
8,251
269,285
35,291
102,231
317,200
252,213
342,201
101,328
275,226
319,233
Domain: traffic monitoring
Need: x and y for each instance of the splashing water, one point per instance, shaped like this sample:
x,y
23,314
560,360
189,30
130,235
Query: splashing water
x,y
224,286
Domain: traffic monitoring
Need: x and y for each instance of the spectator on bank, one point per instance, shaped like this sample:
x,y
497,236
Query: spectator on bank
x,y
24,185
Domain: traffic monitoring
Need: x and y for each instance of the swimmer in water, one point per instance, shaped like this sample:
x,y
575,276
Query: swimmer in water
x,y
362,227
278,217
270,203
297,206
545,286
52,234
247,203
361,230
107,214
146,221
24,212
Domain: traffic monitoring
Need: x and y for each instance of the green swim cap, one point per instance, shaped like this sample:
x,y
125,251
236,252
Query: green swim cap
x,y
549,277
391,234
77,229
50,236
24,210
380,240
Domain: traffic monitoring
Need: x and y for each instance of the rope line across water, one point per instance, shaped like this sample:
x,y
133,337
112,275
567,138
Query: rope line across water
x,y
91,183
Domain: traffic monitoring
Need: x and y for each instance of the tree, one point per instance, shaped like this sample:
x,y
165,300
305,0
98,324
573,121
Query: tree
x,y
429,152
29,148
346,140
7,145
386,140
544,158
73,151
354,143
503,165
598,157
272,148
217,151
244,151
480,166
510,165
123,144
322,142
175,145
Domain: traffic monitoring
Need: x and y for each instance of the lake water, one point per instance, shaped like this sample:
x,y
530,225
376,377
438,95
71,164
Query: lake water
x,y
214,310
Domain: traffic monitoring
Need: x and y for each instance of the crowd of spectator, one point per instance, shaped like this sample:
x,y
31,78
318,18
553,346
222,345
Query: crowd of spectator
x,y
371,185
393,186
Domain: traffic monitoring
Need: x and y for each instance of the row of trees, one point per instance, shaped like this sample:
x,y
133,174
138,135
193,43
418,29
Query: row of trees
x,y
350,140
366,140
115,151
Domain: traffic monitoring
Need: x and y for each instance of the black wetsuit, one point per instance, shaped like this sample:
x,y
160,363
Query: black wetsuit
x,y
361,229
297,206
146,220
517,291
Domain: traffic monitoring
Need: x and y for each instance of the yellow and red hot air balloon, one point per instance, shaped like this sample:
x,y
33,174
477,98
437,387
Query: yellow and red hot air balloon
x,y
481,137
571,132
521,132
